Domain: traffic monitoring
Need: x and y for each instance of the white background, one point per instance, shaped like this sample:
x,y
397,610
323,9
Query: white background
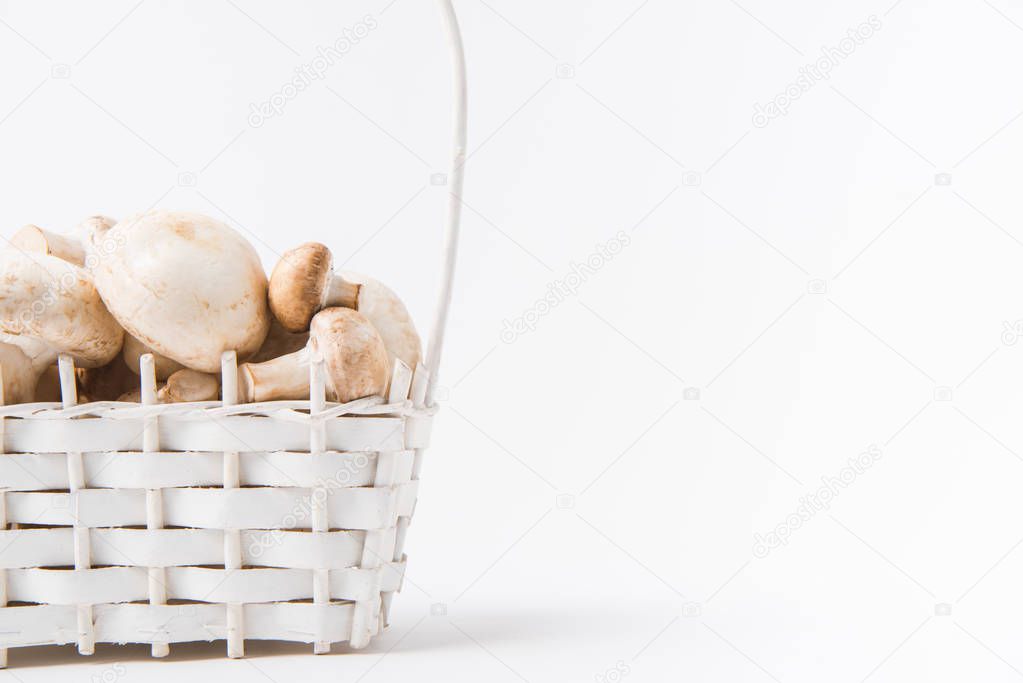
x,y
846,277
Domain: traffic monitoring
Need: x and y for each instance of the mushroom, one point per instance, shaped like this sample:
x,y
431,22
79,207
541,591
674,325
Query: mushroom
x,y
184,386
134,350
303,282
189,385
50,307
18,376
68,247
34,239
353,353
185,285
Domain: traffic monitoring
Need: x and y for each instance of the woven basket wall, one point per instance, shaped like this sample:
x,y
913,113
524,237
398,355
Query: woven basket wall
x,y
166,523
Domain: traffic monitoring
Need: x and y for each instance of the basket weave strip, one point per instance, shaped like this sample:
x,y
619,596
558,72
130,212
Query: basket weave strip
x,y
141,623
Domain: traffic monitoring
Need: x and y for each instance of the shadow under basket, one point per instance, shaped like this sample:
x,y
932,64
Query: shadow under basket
x,y
160,524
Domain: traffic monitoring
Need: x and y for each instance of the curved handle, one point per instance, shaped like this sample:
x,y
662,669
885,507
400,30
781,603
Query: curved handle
x,y
456,179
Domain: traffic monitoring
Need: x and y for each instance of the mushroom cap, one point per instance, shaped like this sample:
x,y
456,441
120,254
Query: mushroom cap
x,y
134,350
51,306
353,352
189,385
185,285
388,314
298,285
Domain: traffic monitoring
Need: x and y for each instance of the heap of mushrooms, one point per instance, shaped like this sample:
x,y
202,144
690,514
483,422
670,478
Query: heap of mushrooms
x,y
185,288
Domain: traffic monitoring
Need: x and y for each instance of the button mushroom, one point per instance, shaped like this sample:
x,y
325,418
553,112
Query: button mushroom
x,y
184,386
68,247
18,375
188,385
353,353
134,350
34,239
50,307
185,285
303,282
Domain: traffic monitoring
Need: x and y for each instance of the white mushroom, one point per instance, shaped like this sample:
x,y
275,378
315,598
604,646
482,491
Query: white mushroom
x,y
34,239
303,282
50,307
18,375
184,386
185,285
134,350
68,247
188,385
354,356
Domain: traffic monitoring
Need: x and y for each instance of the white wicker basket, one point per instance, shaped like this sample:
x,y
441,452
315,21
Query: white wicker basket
x,y
128,523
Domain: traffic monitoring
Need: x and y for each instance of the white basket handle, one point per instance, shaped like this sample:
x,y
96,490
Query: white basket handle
x,y
456,178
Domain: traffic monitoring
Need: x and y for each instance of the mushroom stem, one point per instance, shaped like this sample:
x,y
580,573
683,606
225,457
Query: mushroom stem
x,y
34,239
282,378
341,292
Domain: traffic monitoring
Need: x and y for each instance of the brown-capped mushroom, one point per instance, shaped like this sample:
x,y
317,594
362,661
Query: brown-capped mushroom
x,y
354,356
185,285
303,282
50,307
